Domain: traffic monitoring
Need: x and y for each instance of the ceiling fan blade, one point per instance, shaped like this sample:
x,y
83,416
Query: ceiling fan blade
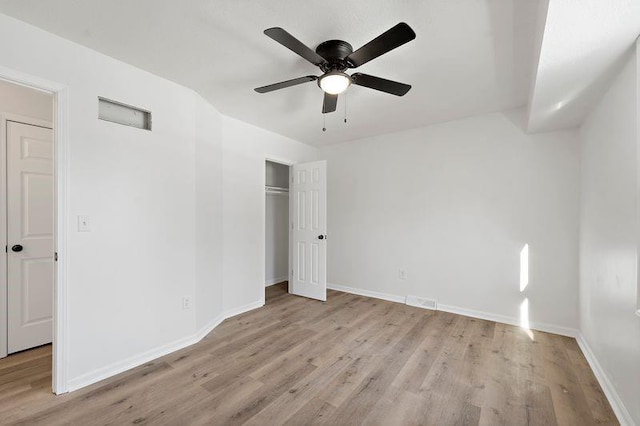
x,y
284,84
381,84
387,41
330,103
295,45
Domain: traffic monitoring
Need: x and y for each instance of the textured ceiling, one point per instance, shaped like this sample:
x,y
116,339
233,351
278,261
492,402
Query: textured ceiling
x,y
469,57
585,42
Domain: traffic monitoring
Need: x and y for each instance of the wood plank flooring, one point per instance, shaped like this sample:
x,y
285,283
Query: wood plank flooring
x,y
352,360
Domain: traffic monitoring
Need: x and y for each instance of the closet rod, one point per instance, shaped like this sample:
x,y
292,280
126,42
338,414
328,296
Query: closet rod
x,y
276,189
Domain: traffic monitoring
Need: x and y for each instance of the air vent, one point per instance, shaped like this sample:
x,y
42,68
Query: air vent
x,y
124,114
421,302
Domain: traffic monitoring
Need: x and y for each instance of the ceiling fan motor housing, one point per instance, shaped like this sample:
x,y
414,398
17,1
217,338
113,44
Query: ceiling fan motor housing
x,y
335,52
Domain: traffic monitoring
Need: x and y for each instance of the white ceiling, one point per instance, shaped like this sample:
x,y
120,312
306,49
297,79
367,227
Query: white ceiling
x,y
585,43
469,57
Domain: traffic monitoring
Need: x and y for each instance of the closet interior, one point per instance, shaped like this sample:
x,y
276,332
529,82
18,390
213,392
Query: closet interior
x,y
277,220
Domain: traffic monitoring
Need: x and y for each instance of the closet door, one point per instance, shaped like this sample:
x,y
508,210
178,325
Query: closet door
x,y
308,198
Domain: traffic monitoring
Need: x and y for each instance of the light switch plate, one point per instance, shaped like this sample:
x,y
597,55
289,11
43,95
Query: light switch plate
x,y
84,225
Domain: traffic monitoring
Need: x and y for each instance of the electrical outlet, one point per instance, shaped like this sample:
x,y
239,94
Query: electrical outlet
x,y
84,224
402,274
186,302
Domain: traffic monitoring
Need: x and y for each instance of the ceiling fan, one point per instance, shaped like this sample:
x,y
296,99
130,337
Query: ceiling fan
x,y
334,57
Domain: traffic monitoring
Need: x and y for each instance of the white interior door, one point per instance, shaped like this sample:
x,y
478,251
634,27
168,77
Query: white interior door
x,y
30,247
308,198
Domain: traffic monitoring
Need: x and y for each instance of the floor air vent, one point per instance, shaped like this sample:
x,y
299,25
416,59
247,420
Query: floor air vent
x,y
421,302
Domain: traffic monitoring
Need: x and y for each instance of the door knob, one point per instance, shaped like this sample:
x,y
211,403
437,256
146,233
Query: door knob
x,y
17,248
321,237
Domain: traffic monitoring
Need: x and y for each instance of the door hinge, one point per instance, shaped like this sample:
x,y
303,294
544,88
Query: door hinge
x,y
55,257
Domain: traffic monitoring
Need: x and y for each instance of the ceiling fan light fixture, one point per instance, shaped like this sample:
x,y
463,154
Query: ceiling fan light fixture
x,y
334,82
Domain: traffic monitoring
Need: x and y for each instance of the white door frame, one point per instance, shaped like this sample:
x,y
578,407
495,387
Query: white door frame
x,y
289,163
60,142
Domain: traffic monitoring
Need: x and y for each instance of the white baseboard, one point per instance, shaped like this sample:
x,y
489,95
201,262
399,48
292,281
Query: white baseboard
x,y
242,309
274,281
624,417
368,293
549,328
137,360
200,334
127,364
504,319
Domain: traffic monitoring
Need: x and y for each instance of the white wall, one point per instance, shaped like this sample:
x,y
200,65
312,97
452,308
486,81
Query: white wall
x,y
208,223
127,277
155,200
609,236
245,148
16,99
453,205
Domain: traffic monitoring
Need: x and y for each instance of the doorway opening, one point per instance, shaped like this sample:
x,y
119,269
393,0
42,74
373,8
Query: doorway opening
x,y
276,229
27,223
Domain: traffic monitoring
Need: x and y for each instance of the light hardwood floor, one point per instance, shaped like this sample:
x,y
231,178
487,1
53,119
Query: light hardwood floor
x,y
352,360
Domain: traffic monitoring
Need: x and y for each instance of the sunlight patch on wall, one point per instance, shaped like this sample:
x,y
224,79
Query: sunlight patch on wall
x,y
524,267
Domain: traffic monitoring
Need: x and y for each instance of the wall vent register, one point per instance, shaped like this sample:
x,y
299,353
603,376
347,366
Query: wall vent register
x,y
124,114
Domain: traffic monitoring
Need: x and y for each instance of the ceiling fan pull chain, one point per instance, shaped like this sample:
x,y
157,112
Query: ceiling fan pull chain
x,y
324,123
345,107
